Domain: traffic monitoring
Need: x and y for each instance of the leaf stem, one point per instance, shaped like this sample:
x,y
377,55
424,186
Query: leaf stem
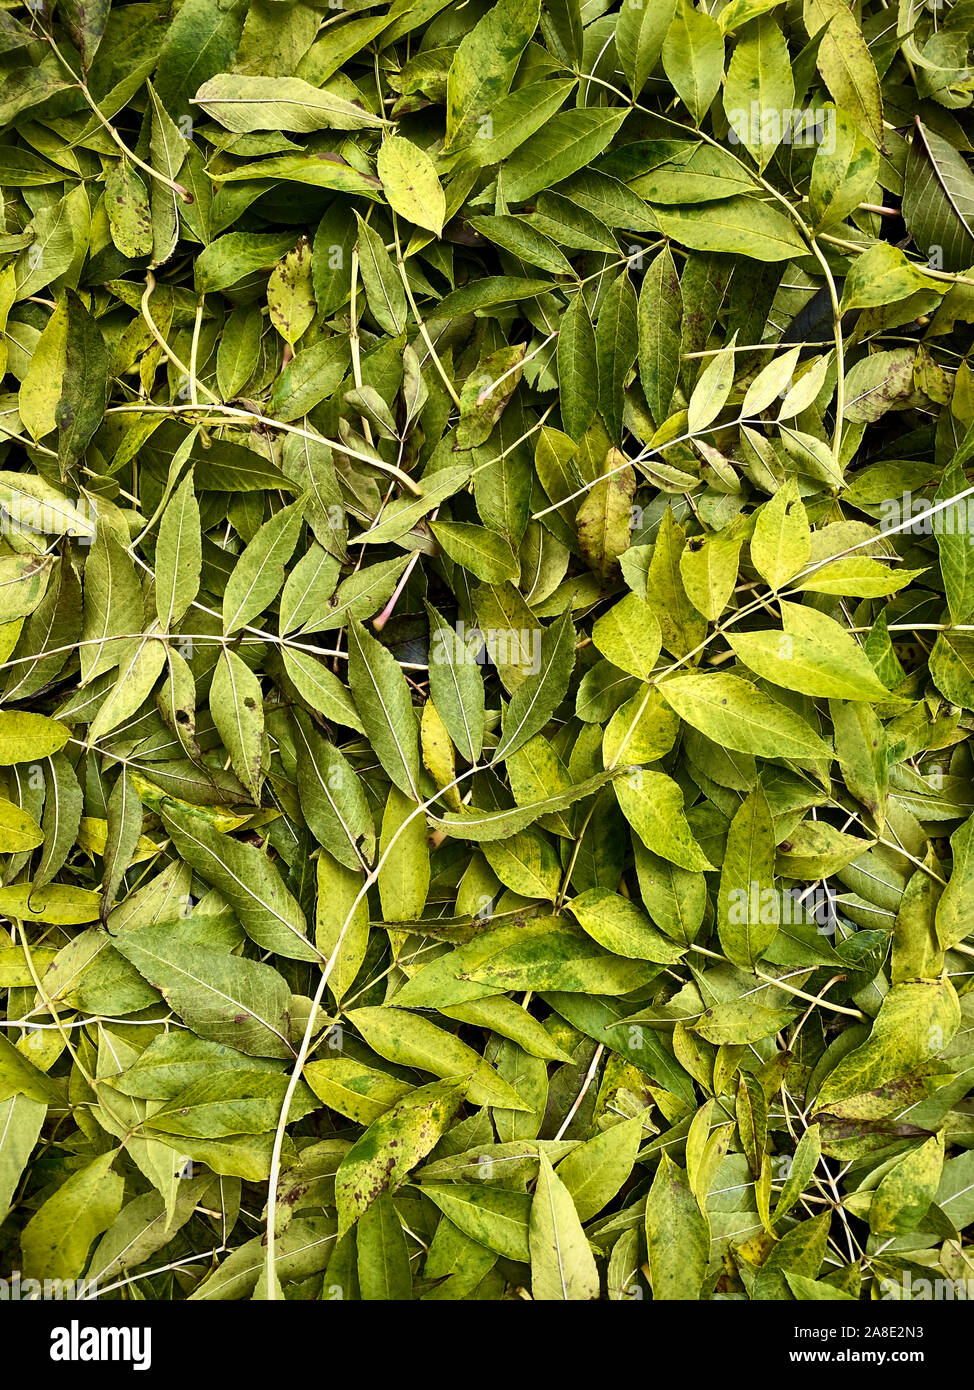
x,y
420,322
176,188
371,878
235,414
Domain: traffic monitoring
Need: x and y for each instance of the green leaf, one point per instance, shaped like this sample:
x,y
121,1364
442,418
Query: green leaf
x,y
342,922
681,171
953,923
29,737
748,907
537,698
385,708
259,573
113,606
708,568
845,63
640,32
485,553
57,1238
221,997
410,184
759,87
594,1172
740,1021
485,825
618,925
562,27
246,104
321,688
916,1019
781,540
604,519
629,635
239,350
456,686
63,803
681,624
615,351
56,903
859,578
332,800
483,68
237,708
562,1264
711,391
844,173
938,200
808,1152
383,288
659,313
576,350
127,207
555,959
518,237
411,1041
246,878
383,1258
84,390
489,1215
568,141
411,1128
21,1119
902,1198
18,830
736,713
653,805
404,877
312,375
738,224
882,275
813,654
179,555
677,1235
290,294
956,561
693,58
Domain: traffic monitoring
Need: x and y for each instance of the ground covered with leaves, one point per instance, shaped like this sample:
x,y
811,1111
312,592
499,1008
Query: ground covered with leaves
x,y
486,649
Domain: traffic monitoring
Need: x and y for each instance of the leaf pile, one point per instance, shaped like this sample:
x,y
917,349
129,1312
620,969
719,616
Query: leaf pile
x,y
487,626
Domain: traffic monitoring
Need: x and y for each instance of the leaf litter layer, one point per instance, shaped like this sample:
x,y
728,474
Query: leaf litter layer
x,y
487,672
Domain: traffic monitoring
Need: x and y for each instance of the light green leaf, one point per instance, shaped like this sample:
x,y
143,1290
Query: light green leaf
x,y
562,1264
410,184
